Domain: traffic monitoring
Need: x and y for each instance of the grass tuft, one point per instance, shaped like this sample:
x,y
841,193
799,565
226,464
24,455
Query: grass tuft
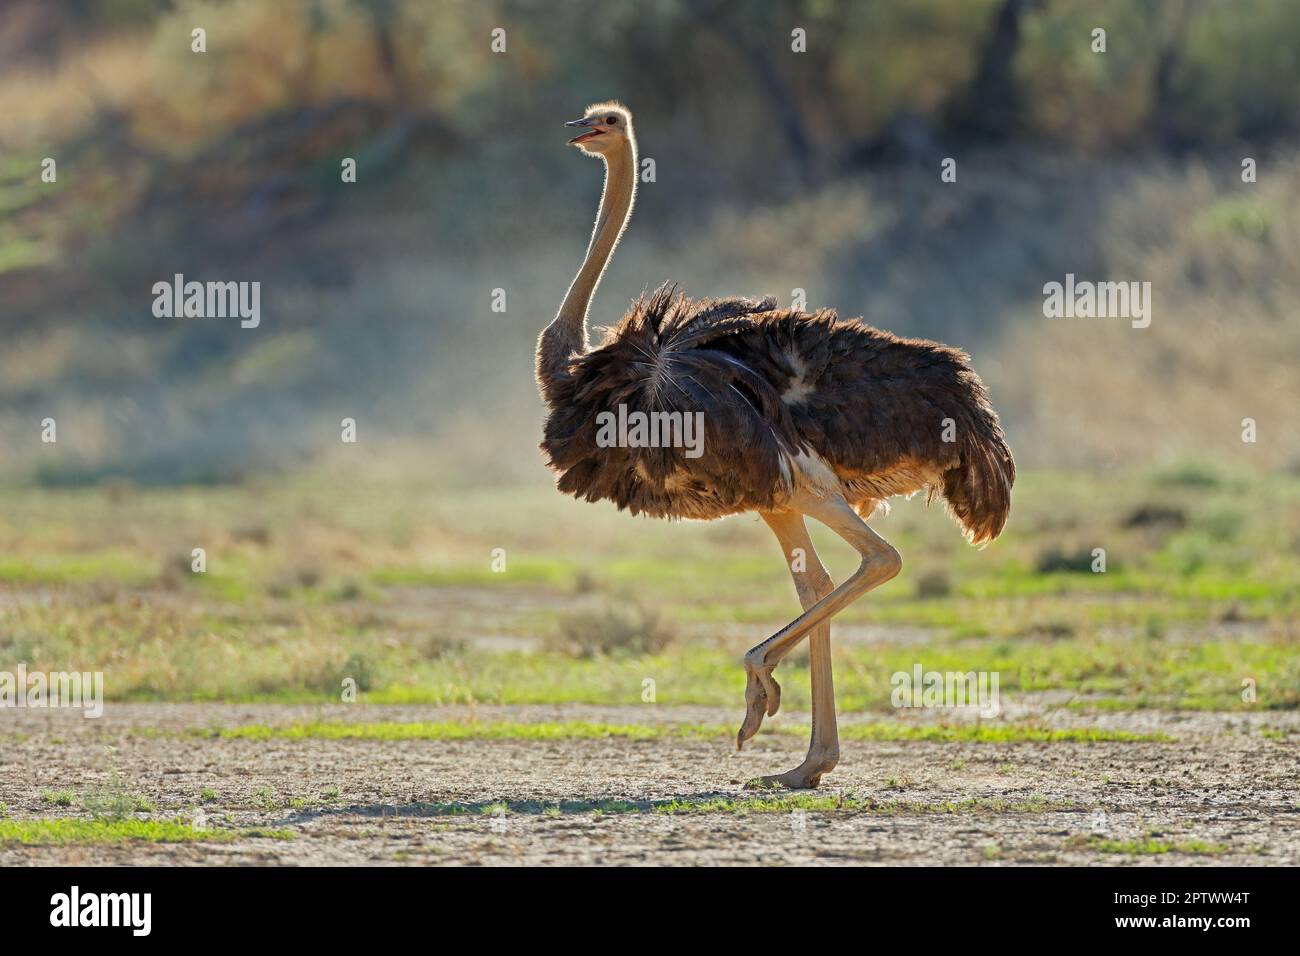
x,y
65,832
1152,846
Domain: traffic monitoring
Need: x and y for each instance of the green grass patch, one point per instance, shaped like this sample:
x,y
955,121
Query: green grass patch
x,y
1152,846
117,567
1188,607
64,832
588,730
1177,674
993,734
519,571
456,730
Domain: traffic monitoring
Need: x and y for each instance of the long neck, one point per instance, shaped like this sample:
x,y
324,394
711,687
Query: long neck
x,y
566,336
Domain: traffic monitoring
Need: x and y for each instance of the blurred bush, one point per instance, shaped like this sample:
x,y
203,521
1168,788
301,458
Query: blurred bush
x,y
775,170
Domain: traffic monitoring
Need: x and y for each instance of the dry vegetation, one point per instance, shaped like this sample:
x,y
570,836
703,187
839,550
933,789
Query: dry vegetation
x,y
378,295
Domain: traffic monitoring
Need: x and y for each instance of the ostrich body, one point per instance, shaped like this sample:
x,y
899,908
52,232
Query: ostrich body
x,y
804,414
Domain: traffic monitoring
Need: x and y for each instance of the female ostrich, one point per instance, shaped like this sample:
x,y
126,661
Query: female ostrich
x,y
804,415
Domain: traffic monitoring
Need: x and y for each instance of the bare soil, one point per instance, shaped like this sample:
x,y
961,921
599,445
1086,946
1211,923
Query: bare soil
x,y
1220,782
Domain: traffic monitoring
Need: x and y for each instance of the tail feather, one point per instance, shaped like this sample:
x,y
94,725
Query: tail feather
x,y
978,491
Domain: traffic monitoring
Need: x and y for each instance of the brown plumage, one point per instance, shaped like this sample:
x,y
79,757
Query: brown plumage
x,y
801,414
776,386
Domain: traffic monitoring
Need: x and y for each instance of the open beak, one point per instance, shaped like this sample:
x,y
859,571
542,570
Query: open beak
x,y
592,133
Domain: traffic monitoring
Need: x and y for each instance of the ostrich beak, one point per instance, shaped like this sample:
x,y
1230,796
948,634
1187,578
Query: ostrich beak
x,y
584,136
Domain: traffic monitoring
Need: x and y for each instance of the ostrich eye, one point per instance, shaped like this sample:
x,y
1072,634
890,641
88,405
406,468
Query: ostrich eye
x,y
611,120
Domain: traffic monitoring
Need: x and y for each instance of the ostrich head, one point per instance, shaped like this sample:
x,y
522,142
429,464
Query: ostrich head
x,y
608,129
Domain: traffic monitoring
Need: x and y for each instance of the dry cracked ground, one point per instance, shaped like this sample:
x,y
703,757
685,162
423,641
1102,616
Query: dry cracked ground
x,y
1223,788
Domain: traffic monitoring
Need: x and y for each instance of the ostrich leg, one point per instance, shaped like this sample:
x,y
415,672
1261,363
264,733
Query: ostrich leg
x,y
880,562
812,583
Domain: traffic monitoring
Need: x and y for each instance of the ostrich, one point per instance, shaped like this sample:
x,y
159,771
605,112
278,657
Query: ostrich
x,y
805,415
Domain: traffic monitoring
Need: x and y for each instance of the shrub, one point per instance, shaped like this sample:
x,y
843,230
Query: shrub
x,y
612,629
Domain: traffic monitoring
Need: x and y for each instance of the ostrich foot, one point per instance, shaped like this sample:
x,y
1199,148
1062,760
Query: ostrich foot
x,y
762,696
806,776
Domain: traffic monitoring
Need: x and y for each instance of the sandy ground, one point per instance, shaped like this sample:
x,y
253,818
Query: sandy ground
x,y
1220,782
